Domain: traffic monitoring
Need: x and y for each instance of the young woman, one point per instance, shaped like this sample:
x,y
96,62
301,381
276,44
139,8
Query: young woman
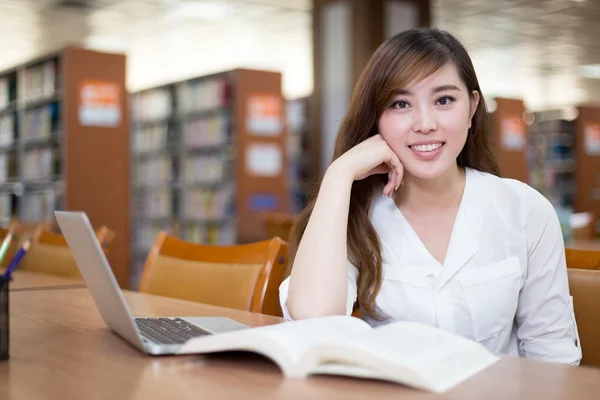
x,y
412,219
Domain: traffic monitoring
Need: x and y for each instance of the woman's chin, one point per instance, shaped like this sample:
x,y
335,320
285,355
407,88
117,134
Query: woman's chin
x,y
426,172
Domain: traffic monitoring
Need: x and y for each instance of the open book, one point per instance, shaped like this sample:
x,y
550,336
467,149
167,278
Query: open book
x,y
409,353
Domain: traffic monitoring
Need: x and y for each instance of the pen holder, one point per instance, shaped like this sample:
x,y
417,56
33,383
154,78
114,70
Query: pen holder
x,y
4,326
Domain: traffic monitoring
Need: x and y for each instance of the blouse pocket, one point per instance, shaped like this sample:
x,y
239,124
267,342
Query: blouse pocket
x,y
409,275
405,294
492,294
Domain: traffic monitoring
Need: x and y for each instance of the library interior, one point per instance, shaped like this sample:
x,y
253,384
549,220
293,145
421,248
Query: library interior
x,y
190,135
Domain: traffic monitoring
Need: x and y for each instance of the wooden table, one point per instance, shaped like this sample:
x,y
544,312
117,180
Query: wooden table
x,y
27,280
61,349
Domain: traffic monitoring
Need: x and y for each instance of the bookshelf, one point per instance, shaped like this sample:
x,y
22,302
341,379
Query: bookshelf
x,y
565,161
552,157
64,142
551,162
297,123
209,157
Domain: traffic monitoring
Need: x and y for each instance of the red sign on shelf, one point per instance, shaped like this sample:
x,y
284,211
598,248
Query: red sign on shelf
x,y
592,140
264,115
513,134
99,104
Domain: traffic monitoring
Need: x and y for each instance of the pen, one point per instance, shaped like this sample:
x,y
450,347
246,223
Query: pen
x,y
16,259
5,244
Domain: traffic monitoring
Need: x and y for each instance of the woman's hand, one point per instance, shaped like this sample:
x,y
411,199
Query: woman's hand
x,y
372,156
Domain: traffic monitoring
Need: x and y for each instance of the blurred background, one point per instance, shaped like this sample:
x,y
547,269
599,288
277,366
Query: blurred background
x,y
210,119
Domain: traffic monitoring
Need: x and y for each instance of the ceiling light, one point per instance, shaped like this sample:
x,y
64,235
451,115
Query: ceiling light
x,y
591,71
105,43
199,10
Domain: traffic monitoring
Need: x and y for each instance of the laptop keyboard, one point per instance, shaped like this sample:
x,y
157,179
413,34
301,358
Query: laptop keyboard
x,y
168,330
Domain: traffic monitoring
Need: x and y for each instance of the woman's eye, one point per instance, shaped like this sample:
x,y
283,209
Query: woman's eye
x,y
399,104
444,101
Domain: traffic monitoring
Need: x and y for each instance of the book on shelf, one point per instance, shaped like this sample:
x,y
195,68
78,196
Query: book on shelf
x,y
552,157
41,163
204,169
152,137
202,94
157,203
7,130
297,148
206,132
40,81
404,352
155,171
5,206
3,167
210,232
208,204
8,90
4,99
154,105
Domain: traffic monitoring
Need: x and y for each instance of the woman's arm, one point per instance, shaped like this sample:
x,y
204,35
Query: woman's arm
x,y
318,284
546,322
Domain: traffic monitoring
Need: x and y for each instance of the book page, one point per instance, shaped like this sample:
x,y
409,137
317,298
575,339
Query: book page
x,y
408,342
283,343
405,352
298,336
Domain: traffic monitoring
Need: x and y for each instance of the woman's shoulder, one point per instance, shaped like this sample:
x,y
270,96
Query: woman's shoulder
x,y
510,193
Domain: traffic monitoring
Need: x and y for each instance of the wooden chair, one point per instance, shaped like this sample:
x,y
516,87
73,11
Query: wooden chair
x,y
21,231
29,227
105,236
585,289
583,259
50,254
244,277
279,224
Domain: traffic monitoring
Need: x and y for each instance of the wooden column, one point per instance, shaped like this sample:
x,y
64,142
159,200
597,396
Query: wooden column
x,y
345,35
96,158
587,166
258,191
510,138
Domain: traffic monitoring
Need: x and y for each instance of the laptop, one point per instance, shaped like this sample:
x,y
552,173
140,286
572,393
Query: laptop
x,y
155,336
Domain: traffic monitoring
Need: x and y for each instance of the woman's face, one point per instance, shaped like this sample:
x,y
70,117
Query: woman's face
x,y
427,123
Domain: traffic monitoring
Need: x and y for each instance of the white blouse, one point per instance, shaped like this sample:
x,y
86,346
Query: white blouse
x,y
504,280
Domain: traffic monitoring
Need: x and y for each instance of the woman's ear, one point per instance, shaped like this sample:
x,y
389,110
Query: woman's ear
x,y
474,104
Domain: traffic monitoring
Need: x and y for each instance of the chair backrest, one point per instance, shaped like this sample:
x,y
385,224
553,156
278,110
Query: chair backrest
x,y
585,289
583,259
49,252
105,236
245,277
279,224
21,231
28,229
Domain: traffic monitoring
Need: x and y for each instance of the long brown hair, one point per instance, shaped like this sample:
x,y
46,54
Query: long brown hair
x,y
407,57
